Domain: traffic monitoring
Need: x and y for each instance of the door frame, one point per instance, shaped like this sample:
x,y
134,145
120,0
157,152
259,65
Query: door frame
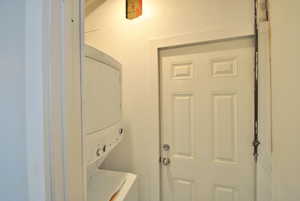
x,y
39,83
154,90
52,67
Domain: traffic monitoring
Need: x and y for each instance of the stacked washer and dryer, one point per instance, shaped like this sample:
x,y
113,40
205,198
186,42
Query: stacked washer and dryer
x,y
102,128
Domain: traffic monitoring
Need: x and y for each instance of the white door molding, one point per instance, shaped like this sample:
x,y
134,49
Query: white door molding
x,y
72,138
264,163
54,161
153,90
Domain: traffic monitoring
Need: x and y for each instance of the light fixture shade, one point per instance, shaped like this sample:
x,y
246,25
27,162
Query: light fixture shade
x,y
134,8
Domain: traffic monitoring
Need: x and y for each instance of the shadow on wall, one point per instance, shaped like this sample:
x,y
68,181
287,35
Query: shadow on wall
x,y
91,5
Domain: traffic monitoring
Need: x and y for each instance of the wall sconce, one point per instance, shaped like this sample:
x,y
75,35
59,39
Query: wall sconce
x,y
134,8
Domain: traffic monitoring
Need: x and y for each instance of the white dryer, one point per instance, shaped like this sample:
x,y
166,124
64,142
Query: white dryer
x,y
102,127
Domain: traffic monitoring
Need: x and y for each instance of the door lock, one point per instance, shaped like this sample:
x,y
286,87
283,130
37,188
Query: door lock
x,y
166,147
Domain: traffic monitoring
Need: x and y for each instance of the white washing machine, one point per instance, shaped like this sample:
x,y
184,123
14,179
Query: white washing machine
x,y
102,128
112,186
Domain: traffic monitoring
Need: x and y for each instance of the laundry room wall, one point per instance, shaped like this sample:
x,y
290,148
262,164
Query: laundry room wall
x,y
107,29
285,65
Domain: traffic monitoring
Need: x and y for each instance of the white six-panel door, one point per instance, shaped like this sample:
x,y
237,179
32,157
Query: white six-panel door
x,y
207,112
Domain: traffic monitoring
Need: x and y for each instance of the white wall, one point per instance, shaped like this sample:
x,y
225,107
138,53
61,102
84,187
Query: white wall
x,y
13,174
285,63
128,41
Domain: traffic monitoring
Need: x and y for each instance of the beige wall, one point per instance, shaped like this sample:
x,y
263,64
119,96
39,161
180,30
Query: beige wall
x,y
285,54
128,41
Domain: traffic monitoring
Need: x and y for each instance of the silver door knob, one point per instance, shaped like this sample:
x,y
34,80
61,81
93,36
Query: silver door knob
x,y
166,161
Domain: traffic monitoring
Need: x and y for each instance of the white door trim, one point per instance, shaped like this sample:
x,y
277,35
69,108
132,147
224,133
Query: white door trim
x,y
54,162
153,73
74,172
264,163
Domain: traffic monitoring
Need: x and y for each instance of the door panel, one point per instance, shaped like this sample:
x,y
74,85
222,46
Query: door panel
x,y
224,127
182,118
207,119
